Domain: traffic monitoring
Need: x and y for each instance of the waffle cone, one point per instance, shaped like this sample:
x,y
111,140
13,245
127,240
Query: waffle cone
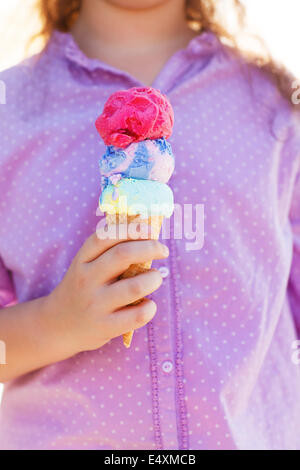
x,y
134,269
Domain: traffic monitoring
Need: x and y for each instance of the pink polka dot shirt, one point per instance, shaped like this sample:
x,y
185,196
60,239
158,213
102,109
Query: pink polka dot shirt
x,y
218,366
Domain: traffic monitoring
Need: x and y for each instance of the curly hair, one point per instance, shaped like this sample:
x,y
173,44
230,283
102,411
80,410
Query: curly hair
x,y
200,14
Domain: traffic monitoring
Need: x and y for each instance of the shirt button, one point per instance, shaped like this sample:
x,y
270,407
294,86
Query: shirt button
x,y
167,366
164,271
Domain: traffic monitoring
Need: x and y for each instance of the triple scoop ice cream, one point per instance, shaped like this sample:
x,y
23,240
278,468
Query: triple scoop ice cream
x,y
134,125
138,162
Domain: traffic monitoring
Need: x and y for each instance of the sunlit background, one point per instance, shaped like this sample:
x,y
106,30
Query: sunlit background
x,y
276,21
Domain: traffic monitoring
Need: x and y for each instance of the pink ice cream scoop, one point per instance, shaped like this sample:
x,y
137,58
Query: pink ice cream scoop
x,y
134,115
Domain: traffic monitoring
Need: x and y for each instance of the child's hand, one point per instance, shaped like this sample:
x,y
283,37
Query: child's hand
x,y
88,307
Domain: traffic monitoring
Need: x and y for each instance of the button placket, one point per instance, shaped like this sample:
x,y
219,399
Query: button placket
x,y
167,366
164,343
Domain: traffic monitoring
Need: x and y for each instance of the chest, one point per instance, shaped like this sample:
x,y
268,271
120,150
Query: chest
x,y
230,187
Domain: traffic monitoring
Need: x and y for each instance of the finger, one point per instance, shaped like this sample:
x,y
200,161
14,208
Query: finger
x,y
117,259
107,236
129,318
126,291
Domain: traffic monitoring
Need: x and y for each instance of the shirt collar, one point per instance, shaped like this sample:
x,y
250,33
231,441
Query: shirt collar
x,y
203,44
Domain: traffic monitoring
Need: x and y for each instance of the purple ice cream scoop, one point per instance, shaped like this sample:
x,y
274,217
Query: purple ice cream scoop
x,y
148,160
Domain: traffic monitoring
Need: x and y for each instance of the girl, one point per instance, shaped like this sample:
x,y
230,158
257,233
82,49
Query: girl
x,y
214,368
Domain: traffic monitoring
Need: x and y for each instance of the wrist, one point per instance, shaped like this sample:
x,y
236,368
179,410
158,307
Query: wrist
x,y
56,329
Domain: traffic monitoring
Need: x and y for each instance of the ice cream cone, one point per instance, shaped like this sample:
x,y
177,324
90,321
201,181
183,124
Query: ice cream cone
x,y
134,269
137,164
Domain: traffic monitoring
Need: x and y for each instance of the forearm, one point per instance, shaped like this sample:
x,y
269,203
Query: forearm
x,y
77,315
31,337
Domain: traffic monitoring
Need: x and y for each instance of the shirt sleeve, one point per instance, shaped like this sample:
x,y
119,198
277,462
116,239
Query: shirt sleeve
x,y
7,291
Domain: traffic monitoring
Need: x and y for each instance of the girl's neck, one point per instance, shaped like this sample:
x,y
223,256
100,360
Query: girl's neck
x,y
136,41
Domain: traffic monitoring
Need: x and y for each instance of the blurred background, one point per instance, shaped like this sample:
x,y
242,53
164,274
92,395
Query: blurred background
x,y
275,21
